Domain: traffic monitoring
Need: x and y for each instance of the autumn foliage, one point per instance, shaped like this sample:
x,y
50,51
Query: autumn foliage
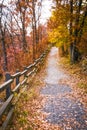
x,y
68,28
22,37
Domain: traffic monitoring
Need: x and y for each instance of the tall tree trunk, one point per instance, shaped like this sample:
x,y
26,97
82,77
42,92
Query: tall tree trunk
x,y
71,31
82,25
24,32
33,42
5,68
75,51
2,36
34,29
34,26
22,17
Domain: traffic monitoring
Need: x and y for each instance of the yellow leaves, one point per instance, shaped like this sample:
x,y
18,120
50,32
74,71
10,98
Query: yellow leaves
x,y
52,36
58,35
58,24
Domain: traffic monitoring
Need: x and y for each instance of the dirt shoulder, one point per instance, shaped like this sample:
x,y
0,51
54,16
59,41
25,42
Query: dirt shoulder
x,y
78,79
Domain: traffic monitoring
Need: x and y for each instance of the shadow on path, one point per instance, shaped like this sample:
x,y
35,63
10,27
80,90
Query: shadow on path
x,y
67,112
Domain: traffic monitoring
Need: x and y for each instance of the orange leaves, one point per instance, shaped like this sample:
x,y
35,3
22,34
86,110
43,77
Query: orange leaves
x,y
28,20
23,4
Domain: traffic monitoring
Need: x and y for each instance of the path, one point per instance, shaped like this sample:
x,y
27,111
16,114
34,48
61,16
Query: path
x,y
62,109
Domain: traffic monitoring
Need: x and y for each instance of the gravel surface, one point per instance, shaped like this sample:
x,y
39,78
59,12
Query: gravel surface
x,y
67,112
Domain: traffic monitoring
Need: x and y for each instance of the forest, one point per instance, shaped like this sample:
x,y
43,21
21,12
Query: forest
x,y
23,38
68,28
43,64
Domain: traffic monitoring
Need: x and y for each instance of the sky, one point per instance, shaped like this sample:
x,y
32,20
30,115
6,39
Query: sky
x,y
46,10
45,14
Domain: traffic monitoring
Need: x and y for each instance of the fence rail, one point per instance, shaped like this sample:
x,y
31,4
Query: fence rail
x,y
8,105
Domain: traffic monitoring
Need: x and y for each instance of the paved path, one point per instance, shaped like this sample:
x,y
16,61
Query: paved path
x,y
63,110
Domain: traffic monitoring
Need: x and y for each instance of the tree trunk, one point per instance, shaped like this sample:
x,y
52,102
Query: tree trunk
x,y
78,31
82,25
71,31
33,42
71,50
5,68
24,33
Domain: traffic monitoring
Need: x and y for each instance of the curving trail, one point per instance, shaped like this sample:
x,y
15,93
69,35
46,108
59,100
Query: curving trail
x,y
62,109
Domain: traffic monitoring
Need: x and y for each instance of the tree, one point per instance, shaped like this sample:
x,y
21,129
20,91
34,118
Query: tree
x,y
36,13
58,25
17,19
3,28
76,10
21,7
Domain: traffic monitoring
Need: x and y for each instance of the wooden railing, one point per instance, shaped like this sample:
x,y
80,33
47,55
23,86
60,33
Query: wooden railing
x,y
7,108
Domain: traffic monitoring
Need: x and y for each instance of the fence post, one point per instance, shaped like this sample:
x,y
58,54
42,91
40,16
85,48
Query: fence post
x,y
25,68
8,89
17,78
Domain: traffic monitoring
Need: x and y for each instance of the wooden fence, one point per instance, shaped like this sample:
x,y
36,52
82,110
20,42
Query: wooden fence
x,y
7,108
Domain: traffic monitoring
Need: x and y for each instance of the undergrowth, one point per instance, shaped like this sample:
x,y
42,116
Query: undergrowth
x,y
25,114
76,71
